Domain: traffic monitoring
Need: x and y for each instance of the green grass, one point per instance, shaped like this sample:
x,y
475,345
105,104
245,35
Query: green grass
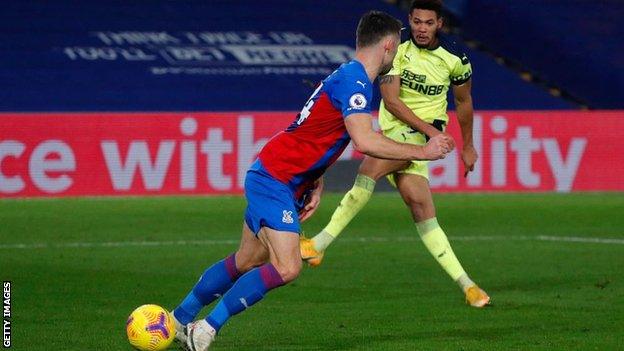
x,y
372,295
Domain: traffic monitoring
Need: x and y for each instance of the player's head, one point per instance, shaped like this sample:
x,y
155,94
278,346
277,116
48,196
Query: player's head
x,y
425,20
382,32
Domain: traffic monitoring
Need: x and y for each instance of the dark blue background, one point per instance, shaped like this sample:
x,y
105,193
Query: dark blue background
x,y
37,76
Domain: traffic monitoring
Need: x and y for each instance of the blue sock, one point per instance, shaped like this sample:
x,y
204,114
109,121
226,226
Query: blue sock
x,y
216,280
247,290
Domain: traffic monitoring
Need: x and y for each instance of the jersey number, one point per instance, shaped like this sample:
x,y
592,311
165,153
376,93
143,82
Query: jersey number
x,y
305,111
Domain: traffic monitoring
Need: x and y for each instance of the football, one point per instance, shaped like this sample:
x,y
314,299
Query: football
x,y
150,328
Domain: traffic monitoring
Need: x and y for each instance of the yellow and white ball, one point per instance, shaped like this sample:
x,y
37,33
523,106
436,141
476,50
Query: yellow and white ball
x,y
150,328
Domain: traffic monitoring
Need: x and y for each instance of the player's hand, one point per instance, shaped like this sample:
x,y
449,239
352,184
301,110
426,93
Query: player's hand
x,y
312,202
450,139
438,146
469,157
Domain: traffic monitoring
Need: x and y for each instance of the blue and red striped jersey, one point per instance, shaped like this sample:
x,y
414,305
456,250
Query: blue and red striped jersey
x,y
299,155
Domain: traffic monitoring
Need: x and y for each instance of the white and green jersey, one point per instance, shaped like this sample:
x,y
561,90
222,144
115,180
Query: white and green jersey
x,y
425,75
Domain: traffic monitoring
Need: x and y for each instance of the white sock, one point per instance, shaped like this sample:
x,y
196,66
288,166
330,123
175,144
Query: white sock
x,y
464,282
322,240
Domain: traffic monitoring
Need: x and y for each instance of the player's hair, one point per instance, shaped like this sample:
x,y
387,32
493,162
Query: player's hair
x,y
374,26
433,5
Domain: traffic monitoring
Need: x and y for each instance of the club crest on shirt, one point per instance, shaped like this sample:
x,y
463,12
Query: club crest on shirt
x,y
287,218
357,101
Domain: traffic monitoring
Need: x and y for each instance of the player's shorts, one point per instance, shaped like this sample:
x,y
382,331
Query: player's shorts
x,y
405,134
270,203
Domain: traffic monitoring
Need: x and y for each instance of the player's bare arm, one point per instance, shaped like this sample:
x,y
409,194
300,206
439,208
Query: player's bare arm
x,y
464,110
313,201
390,87
368,142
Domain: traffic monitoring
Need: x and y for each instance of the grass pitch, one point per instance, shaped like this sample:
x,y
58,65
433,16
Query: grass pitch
x,y
80,266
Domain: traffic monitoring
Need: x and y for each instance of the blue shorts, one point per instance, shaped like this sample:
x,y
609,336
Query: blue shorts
x,y
270,203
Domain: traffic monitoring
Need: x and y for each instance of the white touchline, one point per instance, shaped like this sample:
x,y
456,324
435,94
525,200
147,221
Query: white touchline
x,y
572,239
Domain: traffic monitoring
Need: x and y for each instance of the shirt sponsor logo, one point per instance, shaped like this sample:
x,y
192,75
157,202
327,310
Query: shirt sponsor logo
x,y
416,82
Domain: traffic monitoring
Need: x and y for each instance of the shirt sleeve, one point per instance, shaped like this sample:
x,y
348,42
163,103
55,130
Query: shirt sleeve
x,y
461,71
353,95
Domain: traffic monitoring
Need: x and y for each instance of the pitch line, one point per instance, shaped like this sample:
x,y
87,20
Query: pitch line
x,y
208,242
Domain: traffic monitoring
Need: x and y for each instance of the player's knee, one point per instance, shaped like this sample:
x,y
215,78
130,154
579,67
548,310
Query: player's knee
x,y
289,272
371,172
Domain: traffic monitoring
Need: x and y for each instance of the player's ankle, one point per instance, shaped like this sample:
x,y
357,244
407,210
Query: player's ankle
x,y
465,282
322,240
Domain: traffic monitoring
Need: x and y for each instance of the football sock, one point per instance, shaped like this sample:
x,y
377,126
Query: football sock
x,y
438,245
322,240
248,289
353,201
465,282
216,280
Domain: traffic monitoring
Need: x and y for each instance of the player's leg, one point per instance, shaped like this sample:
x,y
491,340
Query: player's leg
x,y
415,191
252,252
283,267
371,169
270,204
218,279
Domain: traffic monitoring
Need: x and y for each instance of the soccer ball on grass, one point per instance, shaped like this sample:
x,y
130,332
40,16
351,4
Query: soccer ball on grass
x,y
150,328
